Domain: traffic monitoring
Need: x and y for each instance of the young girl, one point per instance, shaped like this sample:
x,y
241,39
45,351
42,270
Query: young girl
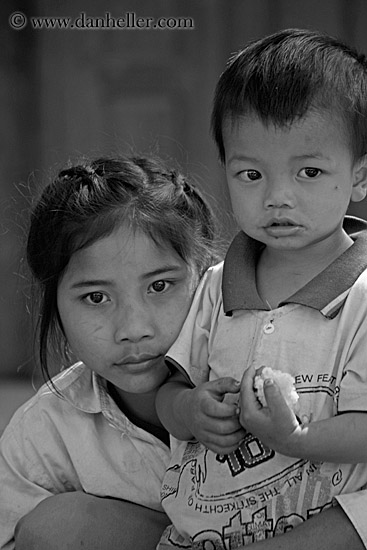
x,y
117,247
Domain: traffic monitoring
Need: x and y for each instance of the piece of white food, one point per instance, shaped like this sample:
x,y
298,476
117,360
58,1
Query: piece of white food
x,y
285,382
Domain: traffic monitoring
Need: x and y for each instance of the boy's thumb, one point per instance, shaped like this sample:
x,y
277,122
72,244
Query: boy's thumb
x,y
273,395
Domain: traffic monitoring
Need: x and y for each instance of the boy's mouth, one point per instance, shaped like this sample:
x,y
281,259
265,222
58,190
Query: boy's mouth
x,y
282,227
281,223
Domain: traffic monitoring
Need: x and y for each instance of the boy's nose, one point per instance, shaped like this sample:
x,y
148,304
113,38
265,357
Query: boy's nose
x,y
279,194
133,323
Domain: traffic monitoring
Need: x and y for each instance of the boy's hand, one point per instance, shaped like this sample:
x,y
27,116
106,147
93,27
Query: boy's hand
x,y
275,425
212,419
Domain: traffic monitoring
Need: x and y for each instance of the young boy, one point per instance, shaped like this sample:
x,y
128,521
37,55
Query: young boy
x,y
290,122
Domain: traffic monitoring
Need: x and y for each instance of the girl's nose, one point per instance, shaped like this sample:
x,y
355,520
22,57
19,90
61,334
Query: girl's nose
x,y
133,323
279,194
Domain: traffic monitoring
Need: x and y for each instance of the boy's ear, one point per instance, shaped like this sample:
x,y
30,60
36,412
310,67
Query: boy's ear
x,y
359,189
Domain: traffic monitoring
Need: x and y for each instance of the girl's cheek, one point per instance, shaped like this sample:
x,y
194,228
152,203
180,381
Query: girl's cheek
x,y
98,329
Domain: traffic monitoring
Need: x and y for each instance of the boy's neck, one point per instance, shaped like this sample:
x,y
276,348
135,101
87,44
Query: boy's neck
x,y
281,273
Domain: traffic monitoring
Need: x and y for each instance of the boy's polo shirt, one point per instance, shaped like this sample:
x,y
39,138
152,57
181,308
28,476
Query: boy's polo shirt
x,y
310,335
79,441
319,335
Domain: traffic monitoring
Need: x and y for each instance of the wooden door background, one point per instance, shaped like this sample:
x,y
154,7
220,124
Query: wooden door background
x,y
71,92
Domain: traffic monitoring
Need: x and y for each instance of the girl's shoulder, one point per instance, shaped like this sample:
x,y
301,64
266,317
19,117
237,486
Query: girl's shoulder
x,y
215,270
210,287
211,281
69,391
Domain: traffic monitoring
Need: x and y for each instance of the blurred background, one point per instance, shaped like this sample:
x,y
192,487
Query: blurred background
x,y
89,91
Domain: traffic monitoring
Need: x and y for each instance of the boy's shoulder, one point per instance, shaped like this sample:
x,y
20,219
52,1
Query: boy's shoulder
x,y
352,264
354,226
360,286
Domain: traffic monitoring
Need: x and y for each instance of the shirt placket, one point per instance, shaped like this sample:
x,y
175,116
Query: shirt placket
x,y
267,335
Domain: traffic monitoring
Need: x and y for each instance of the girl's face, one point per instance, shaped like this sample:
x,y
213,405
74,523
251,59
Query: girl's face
x,y
122,302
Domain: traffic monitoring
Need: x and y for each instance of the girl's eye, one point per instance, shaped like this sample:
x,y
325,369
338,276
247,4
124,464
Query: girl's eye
x,y
250,175
96,298
159,286
310,172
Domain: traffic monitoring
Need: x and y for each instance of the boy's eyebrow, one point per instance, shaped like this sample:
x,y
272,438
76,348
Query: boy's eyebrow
x,y
242,157
311,154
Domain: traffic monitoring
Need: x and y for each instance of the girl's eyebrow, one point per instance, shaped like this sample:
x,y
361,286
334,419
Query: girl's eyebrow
x,y
92,282
163,269
105,282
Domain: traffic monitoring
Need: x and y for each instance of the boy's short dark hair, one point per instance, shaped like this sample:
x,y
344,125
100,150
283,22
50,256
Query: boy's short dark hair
x,y
280,77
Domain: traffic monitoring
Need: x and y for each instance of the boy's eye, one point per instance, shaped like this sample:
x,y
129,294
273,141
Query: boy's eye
x,y
96,298
310,172
159,286
250,175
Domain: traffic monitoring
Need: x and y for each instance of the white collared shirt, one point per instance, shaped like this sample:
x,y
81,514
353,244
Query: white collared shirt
x,y
80,442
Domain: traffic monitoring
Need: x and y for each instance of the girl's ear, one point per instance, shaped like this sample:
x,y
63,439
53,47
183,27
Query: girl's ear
x,y
359,189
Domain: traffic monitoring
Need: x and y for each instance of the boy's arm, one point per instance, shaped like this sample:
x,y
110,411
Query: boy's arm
x,y
201,412
338,439
171,408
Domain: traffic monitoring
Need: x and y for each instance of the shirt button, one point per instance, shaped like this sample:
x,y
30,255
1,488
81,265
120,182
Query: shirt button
x,y
269,328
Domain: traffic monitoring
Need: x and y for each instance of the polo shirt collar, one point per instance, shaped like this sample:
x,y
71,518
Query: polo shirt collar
x,y
84,389
326,292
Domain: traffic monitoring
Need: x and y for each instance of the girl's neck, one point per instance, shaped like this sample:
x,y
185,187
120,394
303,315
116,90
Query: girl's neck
x,y
139,406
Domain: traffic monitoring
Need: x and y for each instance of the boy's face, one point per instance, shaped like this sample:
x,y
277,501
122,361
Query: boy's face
x,y
290,186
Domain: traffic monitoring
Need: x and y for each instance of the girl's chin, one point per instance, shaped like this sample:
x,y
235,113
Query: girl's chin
x,y
144,386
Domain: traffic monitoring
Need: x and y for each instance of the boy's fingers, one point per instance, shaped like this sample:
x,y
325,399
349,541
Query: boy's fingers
x,y
224,444
223,399
222,407
226,385
248,395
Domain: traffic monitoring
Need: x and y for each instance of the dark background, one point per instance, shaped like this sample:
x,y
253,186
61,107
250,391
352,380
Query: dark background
x,y
71,92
